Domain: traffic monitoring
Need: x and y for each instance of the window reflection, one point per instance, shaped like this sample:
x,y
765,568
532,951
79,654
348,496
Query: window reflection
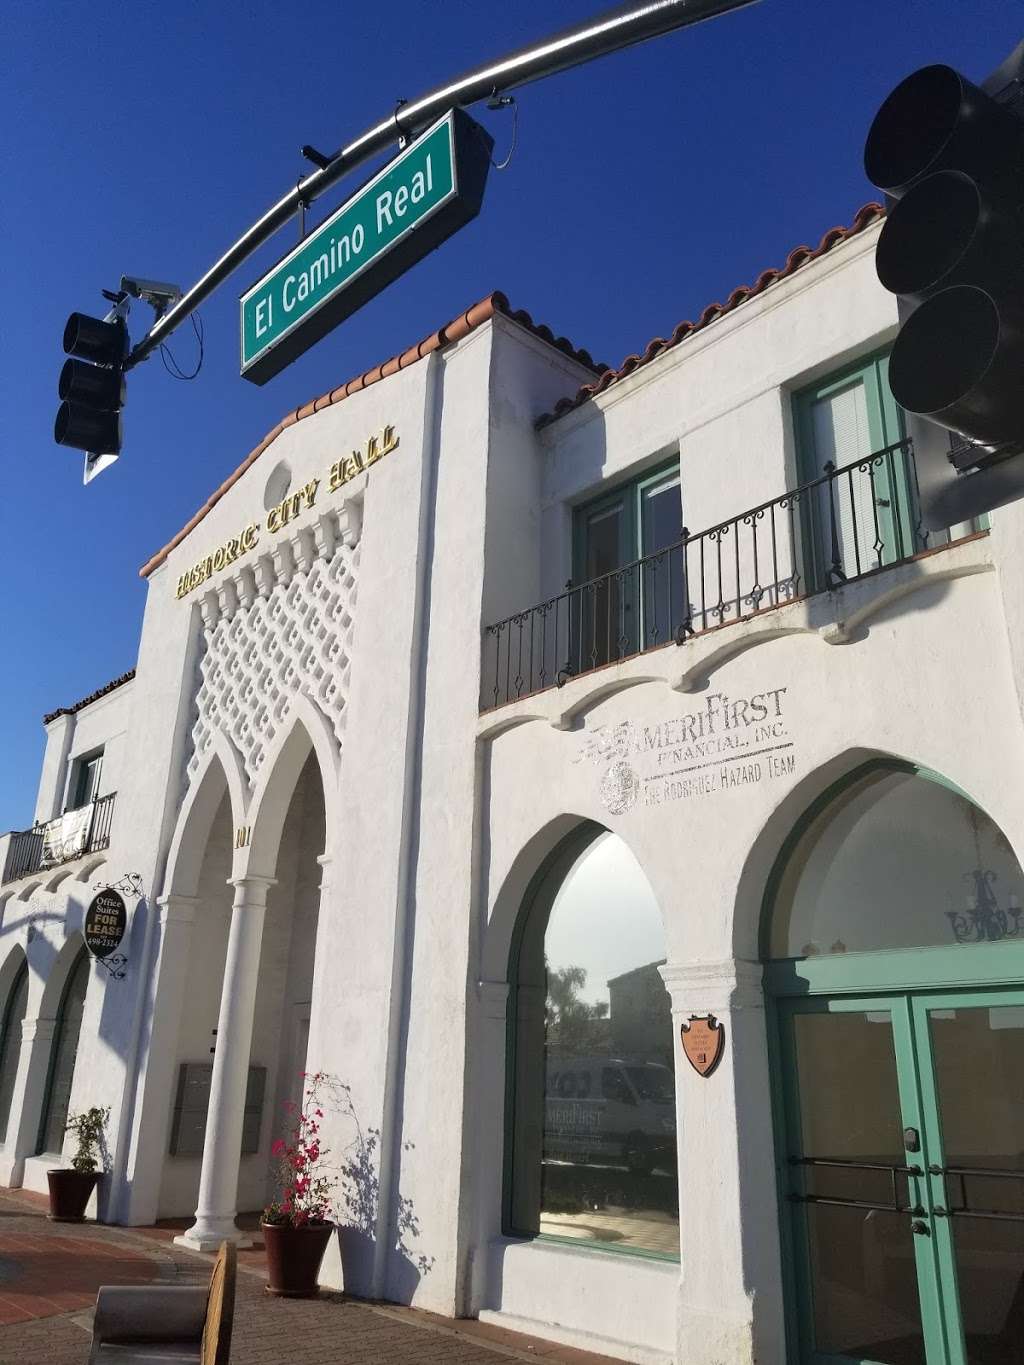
x,y
595,1146
897,860
10,1044
63,1055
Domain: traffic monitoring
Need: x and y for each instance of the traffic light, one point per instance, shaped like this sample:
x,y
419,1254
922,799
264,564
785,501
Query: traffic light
x,y
92,384
949,156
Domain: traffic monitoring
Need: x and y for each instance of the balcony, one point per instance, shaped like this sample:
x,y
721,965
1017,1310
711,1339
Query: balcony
x,y
843,526
71,835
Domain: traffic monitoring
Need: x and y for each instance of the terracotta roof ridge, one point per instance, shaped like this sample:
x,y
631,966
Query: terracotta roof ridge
x,y
798,257
446,335
111,686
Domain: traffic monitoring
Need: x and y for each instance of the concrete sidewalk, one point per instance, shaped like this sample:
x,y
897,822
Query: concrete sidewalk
x,y
49,1274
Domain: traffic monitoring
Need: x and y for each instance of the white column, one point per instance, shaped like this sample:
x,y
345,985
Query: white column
x,y
730,1296
218,1183
27,1098
139,1193
321,979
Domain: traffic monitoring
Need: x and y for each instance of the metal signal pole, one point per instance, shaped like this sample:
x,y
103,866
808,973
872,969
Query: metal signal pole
x,y
610,31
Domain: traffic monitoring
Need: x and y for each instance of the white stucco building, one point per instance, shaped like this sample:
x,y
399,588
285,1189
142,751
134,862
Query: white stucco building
x,y
497,721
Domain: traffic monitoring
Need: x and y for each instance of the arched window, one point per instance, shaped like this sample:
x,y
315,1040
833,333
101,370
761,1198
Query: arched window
x,y
10,1044
592,1136
63,1053
894,859
897,932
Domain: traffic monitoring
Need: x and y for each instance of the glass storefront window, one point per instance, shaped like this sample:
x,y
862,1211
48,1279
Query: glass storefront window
x,y
896,860
63,1057
10,1044
594,1141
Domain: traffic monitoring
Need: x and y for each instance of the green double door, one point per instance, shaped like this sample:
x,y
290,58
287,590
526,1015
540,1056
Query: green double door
x,y
903,1176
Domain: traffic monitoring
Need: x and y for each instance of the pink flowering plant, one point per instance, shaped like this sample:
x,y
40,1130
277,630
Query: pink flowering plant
x,y
305,1183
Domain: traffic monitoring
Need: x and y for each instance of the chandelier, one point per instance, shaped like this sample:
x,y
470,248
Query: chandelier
x,y
984,920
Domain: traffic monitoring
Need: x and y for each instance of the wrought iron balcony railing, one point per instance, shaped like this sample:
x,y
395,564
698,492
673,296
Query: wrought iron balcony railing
x,y
837,528
71,835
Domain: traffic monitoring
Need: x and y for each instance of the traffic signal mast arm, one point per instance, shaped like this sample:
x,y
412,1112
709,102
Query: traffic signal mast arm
x,y
608,32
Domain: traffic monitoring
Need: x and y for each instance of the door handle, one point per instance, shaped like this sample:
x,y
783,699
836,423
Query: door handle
x,y
912,1139
919,1227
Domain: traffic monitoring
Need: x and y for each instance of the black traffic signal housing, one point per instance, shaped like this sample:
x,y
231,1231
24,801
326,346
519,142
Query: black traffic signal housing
x,y
949,156
92,387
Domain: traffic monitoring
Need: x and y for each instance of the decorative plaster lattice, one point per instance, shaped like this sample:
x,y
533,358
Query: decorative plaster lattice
x,y
298,637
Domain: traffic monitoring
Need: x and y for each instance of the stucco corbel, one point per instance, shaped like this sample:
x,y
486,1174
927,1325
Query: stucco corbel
x,y
963,561
748,634
209,609
350,522
499,723
608,687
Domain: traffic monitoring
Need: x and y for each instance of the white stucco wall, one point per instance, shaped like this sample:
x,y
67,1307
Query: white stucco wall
x,y
342,757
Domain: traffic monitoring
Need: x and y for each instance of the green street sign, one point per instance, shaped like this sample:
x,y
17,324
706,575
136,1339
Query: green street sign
x,y
410,207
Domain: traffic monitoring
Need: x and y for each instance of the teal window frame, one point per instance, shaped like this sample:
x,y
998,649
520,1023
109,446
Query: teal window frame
x,y
949,974
634,592
897,480
634,489
886,428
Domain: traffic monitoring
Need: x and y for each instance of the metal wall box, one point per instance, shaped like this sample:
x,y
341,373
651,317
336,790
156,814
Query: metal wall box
x,y
192,1101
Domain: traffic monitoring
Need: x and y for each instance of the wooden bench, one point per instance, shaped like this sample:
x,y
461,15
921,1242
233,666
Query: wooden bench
x,y
170,1324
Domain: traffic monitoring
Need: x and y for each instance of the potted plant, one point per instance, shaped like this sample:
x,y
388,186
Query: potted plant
x,y
298,1224
70,1189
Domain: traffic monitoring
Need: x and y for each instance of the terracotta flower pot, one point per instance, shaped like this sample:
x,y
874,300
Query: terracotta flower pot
x,y
293,1258
69,1194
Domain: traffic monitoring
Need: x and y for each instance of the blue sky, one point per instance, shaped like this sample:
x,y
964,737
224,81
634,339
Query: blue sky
x,y
143,138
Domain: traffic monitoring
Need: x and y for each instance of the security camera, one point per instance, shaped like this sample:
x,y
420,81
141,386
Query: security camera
x,y
153,292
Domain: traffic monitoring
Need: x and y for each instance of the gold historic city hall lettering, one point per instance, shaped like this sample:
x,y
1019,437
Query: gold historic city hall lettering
x,y
343,470
377,446
223,556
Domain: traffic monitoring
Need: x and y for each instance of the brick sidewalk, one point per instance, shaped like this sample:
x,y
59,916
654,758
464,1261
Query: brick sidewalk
x,y
49,1273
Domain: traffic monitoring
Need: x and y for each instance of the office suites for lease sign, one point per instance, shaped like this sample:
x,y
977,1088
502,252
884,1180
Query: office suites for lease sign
x,y
105,922
410,207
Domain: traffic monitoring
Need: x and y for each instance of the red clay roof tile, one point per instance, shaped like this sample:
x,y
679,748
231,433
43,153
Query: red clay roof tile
x,y
93,696
447,335
481,312
797,258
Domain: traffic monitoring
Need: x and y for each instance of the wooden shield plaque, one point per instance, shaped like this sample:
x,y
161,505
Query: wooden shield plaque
x,y
703,1040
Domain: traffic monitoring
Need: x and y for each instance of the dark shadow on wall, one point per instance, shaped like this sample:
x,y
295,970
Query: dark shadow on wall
x,y
358,1210
41,952
120,995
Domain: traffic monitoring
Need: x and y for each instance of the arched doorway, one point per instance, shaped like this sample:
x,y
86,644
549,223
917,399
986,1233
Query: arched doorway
x,y
281,1022
590,1141
259,993
894,940
195,1028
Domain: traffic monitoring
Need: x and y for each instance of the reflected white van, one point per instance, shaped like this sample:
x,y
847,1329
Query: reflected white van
x,y
616,1110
